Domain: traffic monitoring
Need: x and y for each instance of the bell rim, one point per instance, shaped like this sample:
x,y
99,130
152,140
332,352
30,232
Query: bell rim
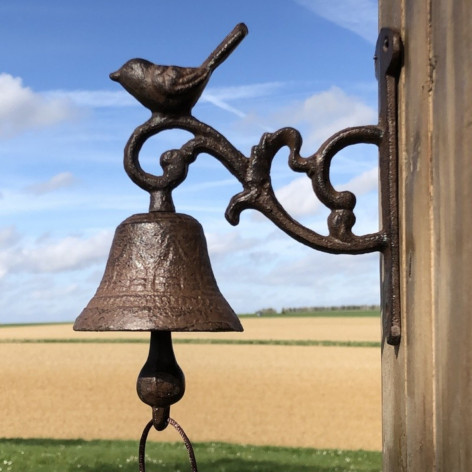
x,y
89,320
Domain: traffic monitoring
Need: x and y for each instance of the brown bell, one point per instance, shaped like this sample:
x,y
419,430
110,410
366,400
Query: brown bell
x,y
158,278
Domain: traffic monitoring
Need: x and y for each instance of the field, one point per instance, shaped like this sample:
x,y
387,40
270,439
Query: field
x,y
259,394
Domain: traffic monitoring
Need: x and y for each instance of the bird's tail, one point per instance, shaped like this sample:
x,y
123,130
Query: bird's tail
x,y
226,47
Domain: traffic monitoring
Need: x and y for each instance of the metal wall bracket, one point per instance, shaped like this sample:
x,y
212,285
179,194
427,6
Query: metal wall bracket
x,y
388,63
170,92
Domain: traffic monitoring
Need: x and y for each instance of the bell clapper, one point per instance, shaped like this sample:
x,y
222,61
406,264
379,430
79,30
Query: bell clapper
x,y
161,382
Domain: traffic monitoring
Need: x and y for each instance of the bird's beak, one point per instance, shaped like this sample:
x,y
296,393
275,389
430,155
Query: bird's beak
x,y
115,76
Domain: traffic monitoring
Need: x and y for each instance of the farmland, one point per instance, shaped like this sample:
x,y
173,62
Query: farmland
x,y
277,395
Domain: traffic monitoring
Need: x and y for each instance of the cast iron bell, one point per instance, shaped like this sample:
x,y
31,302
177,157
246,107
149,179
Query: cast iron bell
x,y
158,277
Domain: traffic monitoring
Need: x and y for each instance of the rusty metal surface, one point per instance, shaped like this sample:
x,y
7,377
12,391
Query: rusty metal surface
x,y
158,277
388,62
174,89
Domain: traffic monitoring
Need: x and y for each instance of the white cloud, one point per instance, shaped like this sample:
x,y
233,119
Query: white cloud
x,y
221,96
227,243
95,98
8,237
358,16
22,109
54,293
363,183
62,180
298,196
69,253
218,102
243,92
330,111
279,272
51,256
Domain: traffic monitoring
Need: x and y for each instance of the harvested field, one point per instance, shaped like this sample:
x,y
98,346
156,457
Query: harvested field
x,y
324,397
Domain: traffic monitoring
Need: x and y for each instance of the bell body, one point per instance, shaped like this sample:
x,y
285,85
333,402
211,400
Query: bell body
x,y
158,277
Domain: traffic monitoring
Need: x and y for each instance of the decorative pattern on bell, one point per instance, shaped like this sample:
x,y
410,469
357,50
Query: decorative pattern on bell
x,y
158,277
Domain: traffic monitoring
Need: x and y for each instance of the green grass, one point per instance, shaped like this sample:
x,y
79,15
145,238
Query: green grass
x,y
23,325
280,342
50,455
247,342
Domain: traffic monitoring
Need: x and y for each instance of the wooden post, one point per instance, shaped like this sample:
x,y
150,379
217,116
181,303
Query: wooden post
x,y
427,382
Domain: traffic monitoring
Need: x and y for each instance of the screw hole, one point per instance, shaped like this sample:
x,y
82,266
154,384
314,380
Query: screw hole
x,y
386,44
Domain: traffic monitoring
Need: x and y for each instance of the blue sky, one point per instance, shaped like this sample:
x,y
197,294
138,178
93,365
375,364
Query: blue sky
x,y
63,126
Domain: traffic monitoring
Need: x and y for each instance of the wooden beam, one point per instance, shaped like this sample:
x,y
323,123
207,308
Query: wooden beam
x,y
427,382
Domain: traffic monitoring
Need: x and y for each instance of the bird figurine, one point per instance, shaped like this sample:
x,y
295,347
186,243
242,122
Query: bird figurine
x,y
174,90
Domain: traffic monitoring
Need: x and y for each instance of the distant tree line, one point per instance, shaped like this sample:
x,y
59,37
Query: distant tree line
x,y
330,308
307,309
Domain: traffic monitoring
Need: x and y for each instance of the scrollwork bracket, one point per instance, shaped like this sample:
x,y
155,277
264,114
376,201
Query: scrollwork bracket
x,y
170,92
